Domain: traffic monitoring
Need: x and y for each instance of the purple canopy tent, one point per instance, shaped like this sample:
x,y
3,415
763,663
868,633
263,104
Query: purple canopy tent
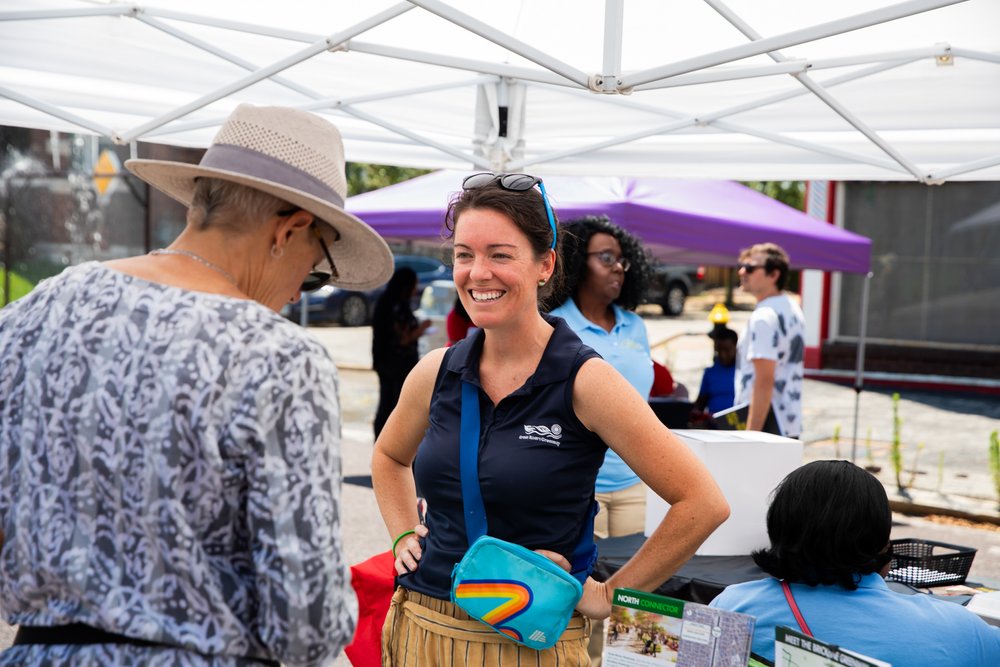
x,y
690,221
695,222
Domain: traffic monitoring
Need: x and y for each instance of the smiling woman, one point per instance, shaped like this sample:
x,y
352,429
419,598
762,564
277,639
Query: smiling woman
x,y
530,374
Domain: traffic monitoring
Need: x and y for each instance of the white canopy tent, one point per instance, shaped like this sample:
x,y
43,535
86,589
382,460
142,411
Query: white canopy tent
x,y
749,89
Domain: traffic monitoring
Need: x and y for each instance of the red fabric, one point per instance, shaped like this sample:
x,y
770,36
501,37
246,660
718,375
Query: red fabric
x,y
663,381
373,582
457,326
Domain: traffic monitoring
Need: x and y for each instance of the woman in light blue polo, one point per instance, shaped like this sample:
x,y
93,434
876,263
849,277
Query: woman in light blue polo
x,y
606,276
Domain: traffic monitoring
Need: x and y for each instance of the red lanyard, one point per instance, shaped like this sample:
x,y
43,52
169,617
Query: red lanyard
x,y
795,608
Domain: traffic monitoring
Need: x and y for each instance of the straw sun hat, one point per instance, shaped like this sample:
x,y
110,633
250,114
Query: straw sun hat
x,y
295,156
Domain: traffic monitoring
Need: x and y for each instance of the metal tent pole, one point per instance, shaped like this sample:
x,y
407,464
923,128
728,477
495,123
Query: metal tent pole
x,y
859,373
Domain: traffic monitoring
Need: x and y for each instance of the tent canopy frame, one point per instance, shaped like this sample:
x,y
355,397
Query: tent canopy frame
x,y
554,73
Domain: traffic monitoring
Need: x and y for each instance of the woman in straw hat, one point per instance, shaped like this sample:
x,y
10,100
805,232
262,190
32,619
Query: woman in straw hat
x,y
169,450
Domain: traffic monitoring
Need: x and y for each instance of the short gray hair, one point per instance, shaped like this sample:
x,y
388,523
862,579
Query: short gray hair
x,y
228,205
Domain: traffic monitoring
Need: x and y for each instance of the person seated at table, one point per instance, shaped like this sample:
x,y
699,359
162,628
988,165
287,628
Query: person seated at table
x,y
828,525
717,391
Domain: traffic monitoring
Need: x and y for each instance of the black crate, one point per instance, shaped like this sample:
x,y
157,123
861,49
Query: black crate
x,y
926,563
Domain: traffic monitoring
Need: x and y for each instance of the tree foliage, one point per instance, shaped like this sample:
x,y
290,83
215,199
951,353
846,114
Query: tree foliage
x,y
362,177
792,193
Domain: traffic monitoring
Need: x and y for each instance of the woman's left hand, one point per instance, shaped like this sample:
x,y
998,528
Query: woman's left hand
x,y
596,600
556,558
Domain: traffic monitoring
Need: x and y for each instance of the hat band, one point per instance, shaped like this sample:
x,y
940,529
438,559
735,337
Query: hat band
x,y
248,162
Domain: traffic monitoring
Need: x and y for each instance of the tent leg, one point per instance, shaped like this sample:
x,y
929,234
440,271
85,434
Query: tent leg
x,y
859,372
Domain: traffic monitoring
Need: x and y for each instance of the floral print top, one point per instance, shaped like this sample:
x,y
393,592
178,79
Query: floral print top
x,y
170,471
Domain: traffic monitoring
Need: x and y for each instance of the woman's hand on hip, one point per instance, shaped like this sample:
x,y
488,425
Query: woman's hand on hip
x,y
408,551
556,558
596,600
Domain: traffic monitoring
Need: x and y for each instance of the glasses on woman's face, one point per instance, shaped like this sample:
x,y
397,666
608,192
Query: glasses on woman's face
x,y
608,259
317,277
514,183
749,268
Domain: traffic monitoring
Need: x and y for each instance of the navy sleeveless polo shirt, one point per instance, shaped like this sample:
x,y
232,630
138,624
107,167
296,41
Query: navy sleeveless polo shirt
x,y
537,462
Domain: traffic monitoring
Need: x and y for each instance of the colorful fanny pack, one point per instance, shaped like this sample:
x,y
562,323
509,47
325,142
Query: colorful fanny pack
x,y
513,590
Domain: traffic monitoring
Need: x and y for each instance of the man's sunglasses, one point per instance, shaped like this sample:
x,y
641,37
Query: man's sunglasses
x,y
749,268
514,183
317,277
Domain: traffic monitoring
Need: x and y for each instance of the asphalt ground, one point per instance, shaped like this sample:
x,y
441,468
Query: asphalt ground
x,y
951,475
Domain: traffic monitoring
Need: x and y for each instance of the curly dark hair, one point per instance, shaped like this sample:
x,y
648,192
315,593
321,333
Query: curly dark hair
x,y
829,523
576,237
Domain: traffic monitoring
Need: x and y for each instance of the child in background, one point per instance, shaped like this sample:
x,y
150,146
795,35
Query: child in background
x,y
716,392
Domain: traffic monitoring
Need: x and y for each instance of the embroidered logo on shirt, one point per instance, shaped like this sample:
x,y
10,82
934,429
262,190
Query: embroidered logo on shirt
x,y
549,434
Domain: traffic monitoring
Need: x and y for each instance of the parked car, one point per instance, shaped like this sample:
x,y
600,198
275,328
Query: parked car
x,y
671,284
436,301
354,309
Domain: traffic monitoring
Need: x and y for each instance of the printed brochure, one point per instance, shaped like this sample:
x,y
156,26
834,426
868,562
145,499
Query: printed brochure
x,y
794,649
649,629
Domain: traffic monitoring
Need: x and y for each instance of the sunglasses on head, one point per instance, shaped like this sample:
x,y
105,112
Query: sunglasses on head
x,y
514,183
316,278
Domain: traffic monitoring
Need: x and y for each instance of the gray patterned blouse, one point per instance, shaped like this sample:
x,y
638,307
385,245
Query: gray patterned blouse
x,y
169,470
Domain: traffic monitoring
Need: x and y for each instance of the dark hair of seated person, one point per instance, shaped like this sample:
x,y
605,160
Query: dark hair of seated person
x,y
829,523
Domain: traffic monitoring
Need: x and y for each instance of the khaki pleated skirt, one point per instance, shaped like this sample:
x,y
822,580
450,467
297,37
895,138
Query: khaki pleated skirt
x,y
421,631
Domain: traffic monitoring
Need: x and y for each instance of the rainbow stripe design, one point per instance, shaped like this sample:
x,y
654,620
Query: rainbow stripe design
x,y
514,599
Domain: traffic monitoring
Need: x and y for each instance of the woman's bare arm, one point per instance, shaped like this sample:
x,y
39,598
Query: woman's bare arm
x,y
392,459
608,405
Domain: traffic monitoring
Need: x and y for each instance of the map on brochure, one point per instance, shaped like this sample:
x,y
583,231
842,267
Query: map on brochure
x,y
649,629
794,649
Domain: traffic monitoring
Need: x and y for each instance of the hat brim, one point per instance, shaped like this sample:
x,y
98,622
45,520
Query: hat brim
x,y
363,259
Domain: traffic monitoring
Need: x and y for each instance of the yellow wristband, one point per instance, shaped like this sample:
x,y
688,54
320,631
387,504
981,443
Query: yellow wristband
x,y
396,541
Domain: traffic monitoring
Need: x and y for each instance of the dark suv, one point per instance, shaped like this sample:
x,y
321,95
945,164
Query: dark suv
x,y
671,284
354,309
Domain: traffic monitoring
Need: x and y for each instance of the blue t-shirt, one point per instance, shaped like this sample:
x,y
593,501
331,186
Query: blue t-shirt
x,y
537,461
894,627
626,347
717,386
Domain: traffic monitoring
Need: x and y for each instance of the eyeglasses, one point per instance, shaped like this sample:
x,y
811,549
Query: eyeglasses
x,y
514,183
749,268
316,278
608,259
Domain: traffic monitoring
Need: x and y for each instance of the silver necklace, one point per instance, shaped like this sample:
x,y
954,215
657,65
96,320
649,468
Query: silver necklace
x,y
197,258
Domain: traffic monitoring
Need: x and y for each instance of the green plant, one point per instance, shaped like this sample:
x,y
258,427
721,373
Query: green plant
x,y
836,441
995,463
19,286
896,453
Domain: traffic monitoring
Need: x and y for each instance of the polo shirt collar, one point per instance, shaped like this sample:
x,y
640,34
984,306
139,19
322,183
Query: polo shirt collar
x,y
555,365
873,580
570,312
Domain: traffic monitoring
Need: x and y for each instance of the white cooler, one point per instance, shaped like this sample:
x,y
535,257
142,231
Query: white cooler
x,y
747,465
